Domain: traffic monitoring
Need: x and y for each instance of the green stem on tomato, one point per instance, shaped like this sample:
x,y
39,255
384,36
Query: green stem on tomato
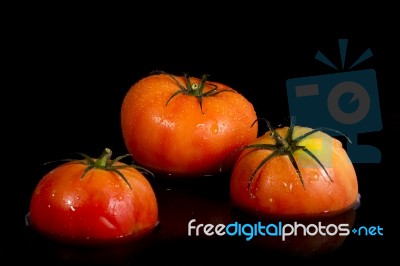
x,y
194,89
104,158
104,162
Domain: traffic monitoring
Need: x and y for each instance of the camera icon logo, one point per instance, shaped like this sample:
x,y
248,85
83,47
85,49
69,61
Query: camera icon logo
x,y
347,101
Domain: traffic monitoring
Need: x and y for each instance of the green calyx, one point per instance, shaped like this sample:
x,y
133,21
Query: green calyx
x,y
104,162
195,89
286,146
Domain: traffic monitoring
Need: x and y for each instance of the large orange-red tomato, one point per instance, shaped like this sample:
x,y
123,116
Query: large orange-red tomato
x,y
181,126
294,171
94,201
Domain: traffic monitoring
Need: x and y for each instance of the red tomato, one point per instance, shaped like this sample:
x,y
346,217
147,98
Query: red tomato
x,y
94,200
183,126
294,171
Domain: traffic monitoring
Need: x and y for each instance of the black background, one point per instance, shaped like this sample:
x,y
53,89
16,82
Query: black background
x,y
68,71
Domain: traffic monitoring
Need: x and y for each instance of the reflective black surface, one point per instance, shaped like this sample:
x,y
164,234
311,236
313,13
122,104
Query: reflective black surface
x,y
180,202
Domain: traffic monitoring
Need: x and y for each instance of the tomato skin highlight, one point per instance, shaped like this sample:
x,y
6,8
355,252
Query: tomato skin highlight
x,y
277,188
97,207
177,136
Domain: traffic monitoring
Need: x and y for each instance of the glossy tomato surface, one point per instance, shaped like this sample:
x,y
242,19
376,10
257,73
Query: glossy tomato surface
x,y
275,187
184,126
75,203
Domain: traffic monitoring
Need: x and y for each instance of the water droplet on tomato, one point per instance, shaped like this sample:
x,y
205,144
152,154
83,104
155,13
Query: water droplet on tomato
x,y
214,129
315,177
288,187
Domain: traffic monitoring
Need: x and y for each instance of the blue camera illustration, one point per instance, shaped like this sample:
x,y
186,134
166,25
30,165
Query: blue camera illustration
x,y
345,101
